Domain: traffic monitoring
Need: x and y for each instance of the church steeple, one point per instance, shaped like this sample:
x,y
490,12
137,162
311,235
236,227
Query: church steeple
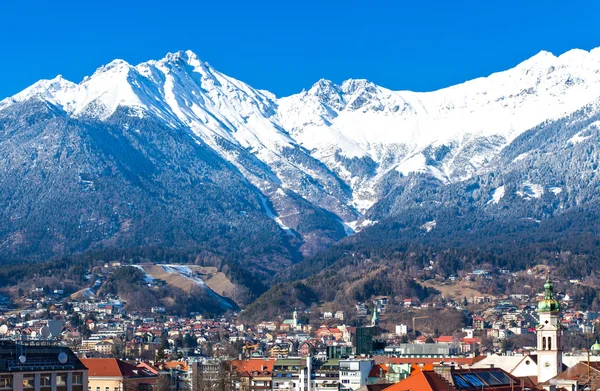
x,y
549,332
549,303
375,318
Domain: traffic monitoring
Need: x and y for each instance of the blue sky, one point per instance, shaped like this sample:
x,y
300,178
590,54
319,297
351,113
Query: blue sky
x,y
287,45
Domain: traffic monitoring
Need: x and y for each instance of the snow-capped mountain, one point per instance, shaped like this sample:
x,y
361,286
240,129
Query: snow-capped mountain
x,y
316,164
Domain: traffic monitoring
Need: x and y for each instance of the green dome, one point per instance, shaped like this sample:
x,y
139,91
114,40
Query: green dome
x,y
596,346
549,303
548,306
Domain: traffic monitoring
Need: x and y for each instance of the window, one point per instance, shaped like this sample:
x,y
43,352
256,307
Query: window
x,y
5,381
549,343
77,379
61,379
106,388
116,388
543,343
97,388
45,380
29,381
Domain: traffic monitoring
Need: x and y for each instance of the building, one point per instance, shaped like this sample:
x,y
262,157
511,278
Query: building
x,y
40,366
443,378
401,329
180,375
206,375
431,350
578,377
363,340
291,373
354,373
255,374
549,332
110,374
325,375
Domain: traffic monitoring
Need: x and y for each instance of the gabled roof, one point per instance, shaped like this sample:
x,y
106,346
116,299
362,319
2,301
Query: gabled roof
x,y
421,381
378,370
253,365
579,373
111,367
445,339
453,380
182,365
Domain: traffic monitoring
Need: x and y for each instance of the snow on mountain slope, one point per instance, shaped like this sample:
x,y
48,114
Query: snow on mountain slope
x,y
232,118
449,133
336,146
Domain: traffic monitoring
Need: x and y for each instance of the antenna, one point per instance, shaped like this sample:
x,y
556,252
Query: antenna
x,y
45,331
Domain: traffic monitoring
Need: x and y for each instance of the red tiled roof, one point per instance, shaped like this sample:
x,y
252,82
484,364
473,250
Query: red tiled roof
x,y
445,339
378,370
111,367
253,365
174,364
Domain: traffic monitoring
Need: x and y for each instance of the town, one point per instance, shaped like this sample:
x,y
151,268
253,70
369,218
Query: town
x,y
516,341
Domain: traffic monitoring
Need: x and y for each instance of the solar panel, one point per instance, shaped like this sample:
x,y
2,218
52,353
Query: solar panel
x,y
489,378
473,379
501,376
460,382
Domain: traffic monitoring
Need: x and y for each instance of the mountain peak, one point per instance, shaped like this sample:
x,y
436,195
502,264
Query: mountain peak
x,y
328,93
46,89
321,86
114,65
183,56
350,86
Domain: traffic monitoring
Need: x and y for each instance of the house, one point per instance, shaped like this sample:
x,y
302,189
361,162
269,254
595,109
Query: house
x,y
578,377
254,374
478,323
104,347
443,378
447,339
329,332
306,348
111,374
280,350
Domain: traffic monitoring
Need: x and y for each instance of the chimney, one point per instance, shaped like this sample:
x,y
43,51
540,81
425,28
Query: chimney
x,y
444,371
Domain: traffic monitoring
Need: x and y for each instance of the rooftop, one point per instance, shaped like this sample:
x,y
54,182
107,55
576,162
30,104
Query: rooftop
x,y
36,356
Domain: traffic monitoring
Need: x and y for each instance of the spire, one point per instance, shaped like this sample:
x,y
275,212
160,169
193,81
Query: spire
x,y
548,288
375,318
549,303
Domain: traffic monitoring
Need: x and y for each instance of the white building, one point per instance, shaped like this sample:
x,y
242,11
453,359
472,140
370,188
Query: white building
x,y
354,373
401,329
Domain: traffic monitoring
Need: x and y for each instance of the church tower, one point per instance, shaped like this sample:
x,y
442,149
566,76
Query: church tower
x,y
549,348
375,317
295,318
